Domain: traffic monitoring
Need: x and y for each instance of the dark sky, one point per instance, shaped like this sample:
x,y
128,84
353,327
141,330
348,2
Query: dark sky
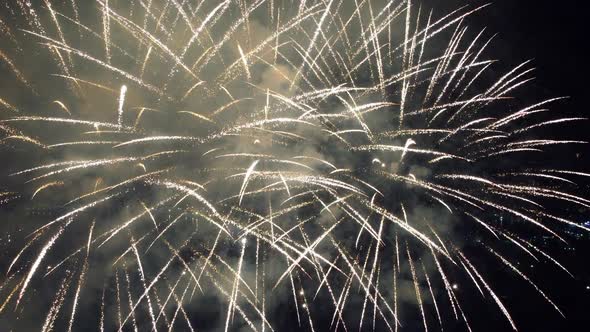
x,y
553,35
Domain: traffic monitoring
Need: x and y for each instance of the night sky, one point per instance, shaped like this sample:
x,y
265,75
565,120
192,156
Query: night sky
x,y
551,34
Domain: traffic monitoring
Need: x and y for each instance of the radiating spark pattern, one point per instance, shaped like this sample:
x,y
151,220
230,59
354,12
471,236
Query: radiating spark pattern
x,y
255,152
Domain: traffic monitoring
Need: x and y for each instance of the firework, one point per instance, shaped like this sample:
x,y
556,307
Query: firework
x,y
211,162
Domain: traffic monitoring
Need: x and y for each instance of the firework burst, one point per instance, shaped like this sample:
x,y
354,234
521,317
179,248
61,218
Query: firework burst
x,y
211,162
